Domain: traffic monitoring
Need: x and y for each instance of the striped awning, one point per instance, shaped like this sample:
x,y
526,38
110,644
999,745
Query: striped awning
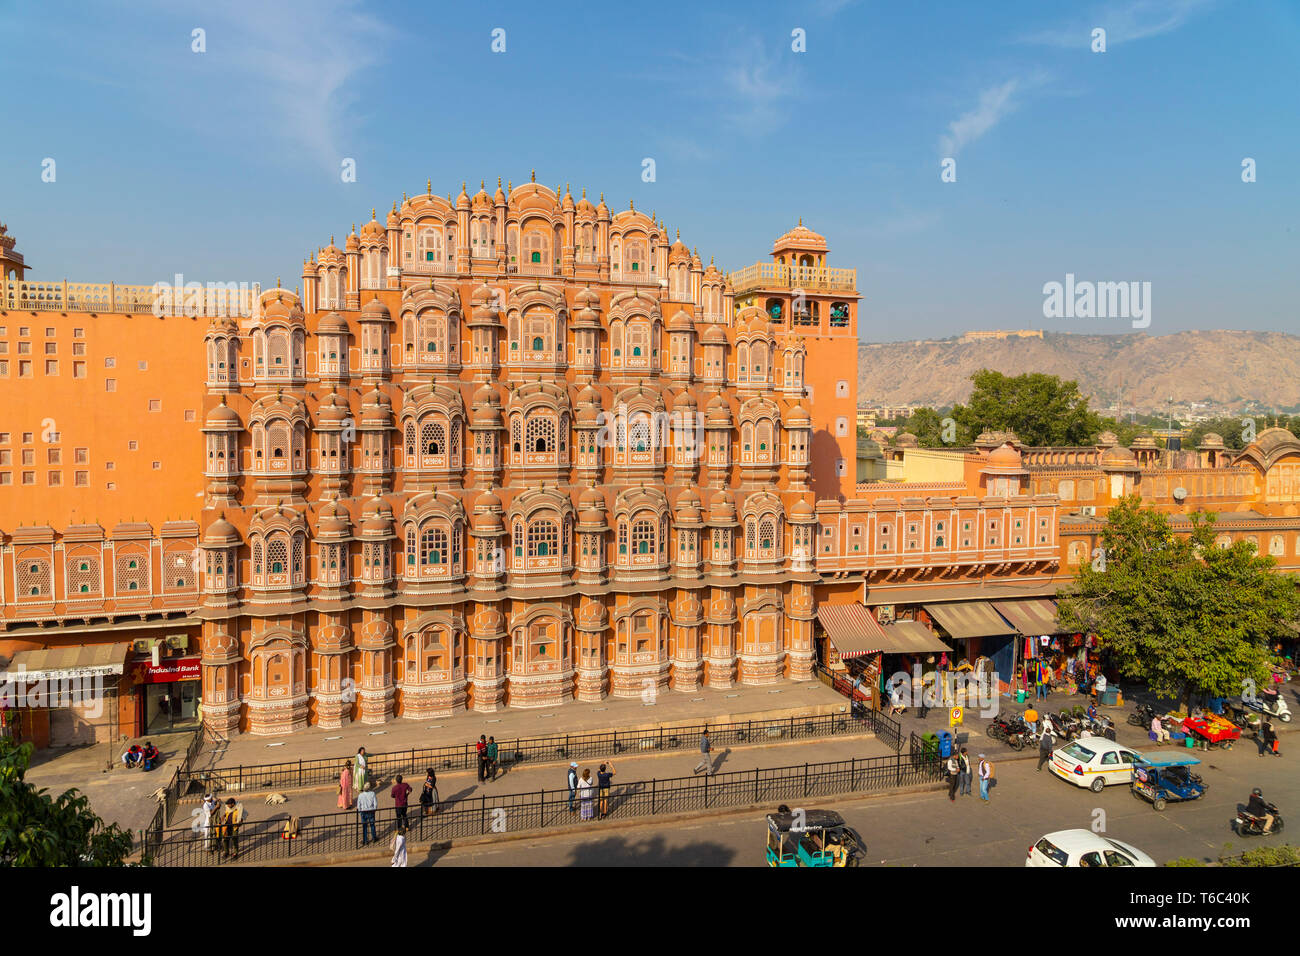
x,y
964,619
851,628
1031,616
63,663
912,637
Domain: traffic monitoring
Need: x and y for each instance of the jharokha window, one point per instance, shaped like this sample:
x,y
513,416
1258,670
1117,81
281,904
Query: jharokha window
x,y
433,550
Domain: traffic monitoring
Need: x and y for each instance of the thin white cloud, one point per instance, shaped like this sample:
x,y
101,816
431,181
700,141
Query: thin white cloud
x,y
1123,22
995,103
303,57
755,86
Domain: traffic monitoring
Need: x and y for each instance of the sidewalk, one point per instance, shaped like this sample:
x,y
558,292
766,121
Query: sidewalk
x,y
531,778
738,704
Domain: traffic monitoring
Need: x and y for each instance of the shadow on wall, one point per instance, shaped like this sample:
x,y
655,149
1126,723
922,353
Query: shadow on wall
x,y
823,454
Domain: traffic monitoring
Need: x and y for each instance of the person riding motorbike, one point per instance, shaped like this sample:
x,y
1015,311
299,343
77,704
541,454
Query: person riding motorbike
x,y
1256,807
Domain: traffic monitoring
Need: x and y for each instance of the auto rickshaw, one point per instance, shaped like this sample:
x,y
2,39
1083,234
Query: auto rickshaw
x,y
818,838
1161,777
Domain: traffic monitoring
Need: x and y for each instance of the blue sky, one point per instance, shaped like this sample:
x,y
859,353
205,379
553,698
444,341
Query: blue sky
x,y
1115,166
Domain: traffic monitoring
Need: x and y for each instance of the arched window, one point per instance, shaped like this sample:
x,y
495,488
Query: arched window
x,y
643,537
541,433
543,539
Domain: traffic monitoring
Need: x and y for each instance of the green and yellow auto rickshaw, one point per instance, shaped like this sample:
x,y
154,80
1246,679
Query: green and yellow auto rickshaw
x,y
811,838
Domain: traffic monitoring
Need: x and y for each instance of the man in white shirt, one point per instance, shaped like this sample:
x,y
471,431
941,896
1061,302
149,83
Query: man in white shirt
x,y
367,804
985,772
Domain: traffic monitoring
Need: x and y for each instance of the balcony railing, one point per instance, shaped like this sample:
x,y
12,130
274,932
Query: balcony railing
x,y
62,296
774,275
423,267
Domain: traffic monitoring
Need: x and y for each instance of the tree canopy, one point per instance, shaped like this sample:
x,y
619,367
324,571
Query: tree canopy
x,y
1041,409
38,830
1176,612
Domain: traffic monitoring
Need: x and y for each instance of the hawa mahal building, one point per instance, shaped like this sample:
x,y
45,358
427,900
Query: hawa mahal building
x,y
508,450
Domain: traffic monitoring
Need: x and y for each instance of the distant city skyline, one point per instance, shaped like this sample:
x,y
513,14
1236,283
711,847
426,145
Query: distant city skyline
x,y
1123,166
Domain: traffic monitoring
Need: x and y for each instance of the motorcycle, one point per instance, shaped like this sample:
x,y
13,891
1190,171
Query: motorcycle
x,y
1143,716
1247,824
1062,729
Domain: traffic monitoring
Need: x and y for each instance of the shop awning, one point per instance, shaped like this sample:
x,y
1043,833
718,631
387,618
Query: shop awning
x,y
1031,616
969,619
63,663
851,628
912,637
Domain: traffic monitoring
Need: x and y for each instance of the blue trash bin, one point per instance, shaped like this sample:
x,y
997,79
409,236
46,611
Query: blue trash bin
x,y
945,744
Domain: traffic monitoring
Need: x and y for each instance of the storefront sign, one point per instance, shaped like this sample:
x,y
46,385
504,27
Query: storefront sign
x,y
164,672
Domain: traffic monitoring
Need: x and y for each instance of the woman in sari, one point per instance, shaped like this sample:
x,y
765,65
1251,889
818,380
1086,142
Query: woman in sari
x,y
359,770
586,795
345,788
429,794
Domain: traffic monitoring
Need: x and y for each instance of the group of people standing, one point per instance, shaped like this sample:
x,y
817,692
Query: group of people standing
x,y
487,758
960,775
220,824
586,795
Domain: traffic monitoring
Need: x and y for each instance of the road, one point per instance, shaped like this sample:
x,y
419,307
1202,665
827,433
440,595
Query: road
x,y
925,829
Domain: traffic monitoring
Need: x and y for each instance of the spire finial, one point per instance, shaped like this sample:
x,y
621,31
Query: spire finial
x,y
372,212
277,282
679,235
482,184
584,192
631,204
498,182
532,175
428,186
801,220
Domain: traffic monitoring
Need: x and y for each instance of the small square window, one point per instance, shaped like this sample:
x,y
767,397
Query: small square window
x,y
81,455
29,477
132,445
78,369
112,486
49,332
110,362
155,404
189,414
55,479
82,479
110,385
78,333
52,367
51,348
142,365
157,466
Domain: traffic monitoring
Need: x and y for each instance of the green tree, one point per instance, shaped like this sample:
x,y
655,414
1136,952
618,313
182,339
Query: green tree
x,y
928,427
1040,409
37,830
1176,612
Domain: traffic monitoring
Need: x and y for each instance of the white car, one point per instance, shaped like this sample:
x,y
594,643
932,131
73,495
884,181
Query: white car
x,y
1084,848
1093,762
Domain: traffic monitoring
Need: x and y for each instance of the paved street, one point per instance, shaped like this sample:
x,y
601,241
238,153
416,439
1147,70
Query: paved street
x,y
924,829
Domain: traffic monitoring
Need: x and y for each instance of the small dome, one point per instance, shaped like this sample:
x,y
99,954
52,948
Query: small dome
x,y
1117,458
1144,442
722,508
373,231
374,311
906,440
332,323
221,533
714,335
800,237
1211,441
1107,439
1272,438
223,416
681,322
802,511
333,521
719,412
282,308
684,401
333,409
796,416
1004,460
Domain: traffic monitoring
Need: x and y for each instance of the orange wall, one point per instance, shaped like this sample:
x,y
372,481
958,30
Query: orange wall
x,y
84,414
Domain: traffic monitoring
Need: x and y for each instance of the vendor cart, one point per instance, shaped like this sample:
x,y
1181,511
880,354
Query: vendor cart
x,y
1212,731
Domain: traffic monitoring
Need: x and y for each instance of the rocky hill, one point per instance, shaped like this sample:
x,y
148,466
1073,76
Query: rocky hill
x,y
1224,368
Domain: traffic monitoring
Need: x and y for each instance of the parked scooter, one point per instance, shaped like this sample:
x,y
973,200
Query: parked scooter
x,y
1270,702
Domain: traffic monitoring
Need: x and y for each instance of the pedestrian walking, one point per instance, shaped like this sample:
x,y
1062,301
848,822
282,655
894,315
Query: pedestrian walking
x,y
954,768
490,754
367,804
586,793
210,818
359,770
231,820
400,793
1269,734
706,761
345,787
964,772
573,787
481,752
986,774
1099,687
429,802
1046,744
399,847
603,780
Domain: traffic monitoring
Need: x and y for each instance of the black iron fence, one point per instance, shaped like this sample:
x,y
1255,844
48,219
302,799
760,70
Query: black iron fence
x,y
264,841
173,791
861,696
557,747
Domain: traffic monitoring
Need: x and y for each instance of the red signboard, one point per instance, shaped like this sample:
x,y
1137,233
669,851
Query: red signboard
x,y
164,672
